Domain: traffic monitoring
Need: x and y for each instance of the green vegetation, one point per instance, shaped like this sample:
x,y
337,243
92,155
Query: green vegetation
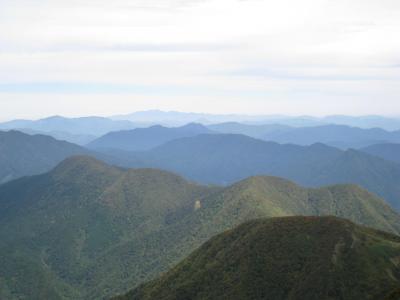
x,y
284,258
87,230
57,230
394,295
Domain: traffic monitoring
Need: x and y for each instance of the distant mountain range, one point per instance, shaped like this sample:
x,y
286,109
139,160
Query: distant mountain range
x,y
342,132
224,159
340,136
390,152
146,138
70,129
79,139
284,258
87,230
174,118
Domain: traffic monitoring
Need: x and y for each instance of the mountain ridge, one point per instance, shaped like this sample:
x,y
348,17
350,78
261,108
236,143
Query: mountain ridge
x,y
336,135
91,125
387,151
22,154
141,139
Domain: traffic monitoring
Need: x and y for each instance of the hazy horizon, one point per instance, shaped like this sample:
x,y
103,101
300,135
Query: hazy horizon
x,y
272,116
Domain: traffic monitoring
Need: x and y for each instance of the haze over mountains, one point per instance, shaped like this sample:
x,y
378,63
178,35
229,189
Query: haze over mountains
x,y
390,152
78,130
146,138
342,132
340,136
88,230
84,125
284,258
174,118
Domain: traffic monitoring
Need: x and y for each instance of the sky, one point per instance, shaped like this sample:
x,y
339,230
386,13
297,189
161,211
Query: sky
x,y
97,57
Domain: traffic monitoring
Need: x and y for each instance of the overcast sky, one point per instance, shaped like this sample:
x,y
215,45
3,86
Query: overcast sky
x,y
83,57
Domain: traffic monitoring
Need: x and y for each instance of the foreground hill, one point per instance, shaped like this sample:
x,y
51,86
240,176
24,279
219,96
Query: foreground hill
x,y
145,138
284,258
226,158
22,154
389,152
87,230
56,227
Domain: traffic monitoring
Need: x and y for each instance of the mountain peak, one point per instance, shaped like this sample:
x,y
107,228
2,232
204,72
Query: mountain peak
x,y
194,125
80,164
140,139
320,146
54,118
157,126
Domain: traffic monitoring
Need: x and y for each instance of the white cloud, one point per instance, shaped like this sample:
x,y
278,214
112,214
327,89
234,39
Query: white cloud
x,y
312,54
